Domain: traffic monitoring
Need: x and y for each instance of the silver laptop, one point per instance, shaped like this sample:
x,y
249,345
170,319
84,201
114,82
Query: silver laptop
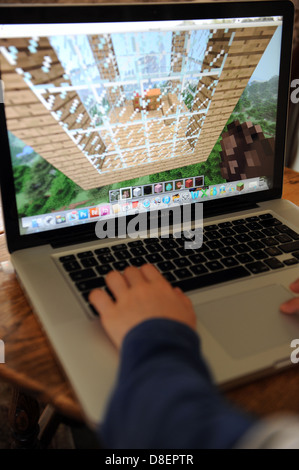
x,y
114,113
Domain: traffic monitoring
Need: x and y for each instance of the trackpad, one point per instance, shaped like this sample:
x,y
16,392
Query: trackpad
x,y
249,323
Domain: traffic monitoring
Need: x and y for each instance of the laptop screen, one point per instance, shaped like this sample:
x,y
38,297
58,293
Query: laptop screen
x,y
110,119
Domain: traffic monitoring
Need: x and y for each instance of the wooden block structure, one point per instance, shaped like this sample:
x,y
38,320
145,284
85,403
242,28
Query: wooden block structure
x,y
165,135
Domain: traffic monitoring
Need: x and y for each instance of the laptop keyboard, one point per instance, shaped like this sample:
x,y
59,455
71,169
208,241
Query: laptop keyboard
x,y
231,250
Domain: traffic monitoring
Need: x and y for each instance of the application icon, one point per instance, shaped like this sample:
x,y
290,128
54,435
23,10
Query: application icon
x,y
158,188
204,192
240,186
114,195
157,201
135,204
222,189
195,194
83,214
137,192
168,186
147,189
179,184
185,196
36,222
105,210
126,193
94,212
60,219
146,203
49,220
126,206
213,191
176,198
72,216
116,208
166,200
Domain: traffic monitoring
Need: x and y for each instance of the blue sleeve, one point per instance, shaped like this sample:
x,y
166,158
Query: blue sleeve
x,y
164,396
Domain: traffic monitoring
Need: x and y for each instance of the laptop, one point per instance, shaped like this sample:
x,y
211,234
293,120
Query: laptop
x,y
117,115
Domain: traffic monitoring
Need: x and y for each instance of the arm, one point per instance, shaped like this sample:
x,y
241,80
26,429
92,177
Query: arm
x,y
164,396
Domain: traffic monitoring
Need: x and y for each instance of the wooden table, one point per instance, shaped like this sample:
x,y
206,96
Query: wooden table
x,y
31,366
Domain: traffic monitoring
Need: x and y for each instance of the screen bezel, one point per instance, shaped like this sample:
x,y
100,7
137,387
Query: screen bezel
x,y
145,12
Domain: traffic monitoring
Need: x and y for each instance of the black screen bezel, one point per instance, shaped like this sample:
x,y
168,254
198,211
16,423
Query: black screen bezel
x,y
145,12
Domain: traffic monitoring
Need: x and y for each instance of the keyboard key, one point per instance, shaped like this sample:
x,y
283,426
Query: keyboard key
x,y
90,284
227,232
197,258
66,258
138,251
85,254
72,266
253,226
213,255
253,218
89,262
273,251
137,261
258,267
182,262
209,228
100,251
154,248
214,265
244,258
238,221
122,254
290,262
153,258
296,254
225,224
198,269
242,248
135,243
274,263
270,241
120,246
258,254
120,265
227,251
228,241
229,262
289,247
243,237
271,231
106,258
284,238
169,244
83,274
214,244
265,216
183,273
149,241
213,235
256,245
214,278
271,222
257,235
241,228
170,254
103,269
166,266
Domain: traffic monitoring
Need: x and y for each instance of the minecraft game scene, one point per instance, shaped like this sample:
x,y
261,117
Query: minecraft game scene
x,y
102,117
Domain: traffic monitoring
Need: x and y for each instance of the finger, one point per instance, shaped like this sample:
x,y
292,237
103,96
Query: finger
x,y
295,286
116,283
151,273
101,301
133,276
291,306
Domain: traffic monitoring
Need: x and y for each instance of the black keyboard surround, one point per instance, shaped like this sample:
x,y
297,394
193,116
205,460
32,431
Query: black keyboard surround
x,y
230,250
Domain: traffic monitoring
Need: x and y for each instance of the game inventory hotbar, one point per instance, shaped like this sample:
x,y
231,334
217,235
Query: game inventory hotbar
x,y
106,108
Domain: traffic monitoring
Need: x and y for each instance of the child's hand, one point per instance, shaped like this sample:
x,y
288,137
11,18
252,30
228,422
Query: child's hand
x,y
140,294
